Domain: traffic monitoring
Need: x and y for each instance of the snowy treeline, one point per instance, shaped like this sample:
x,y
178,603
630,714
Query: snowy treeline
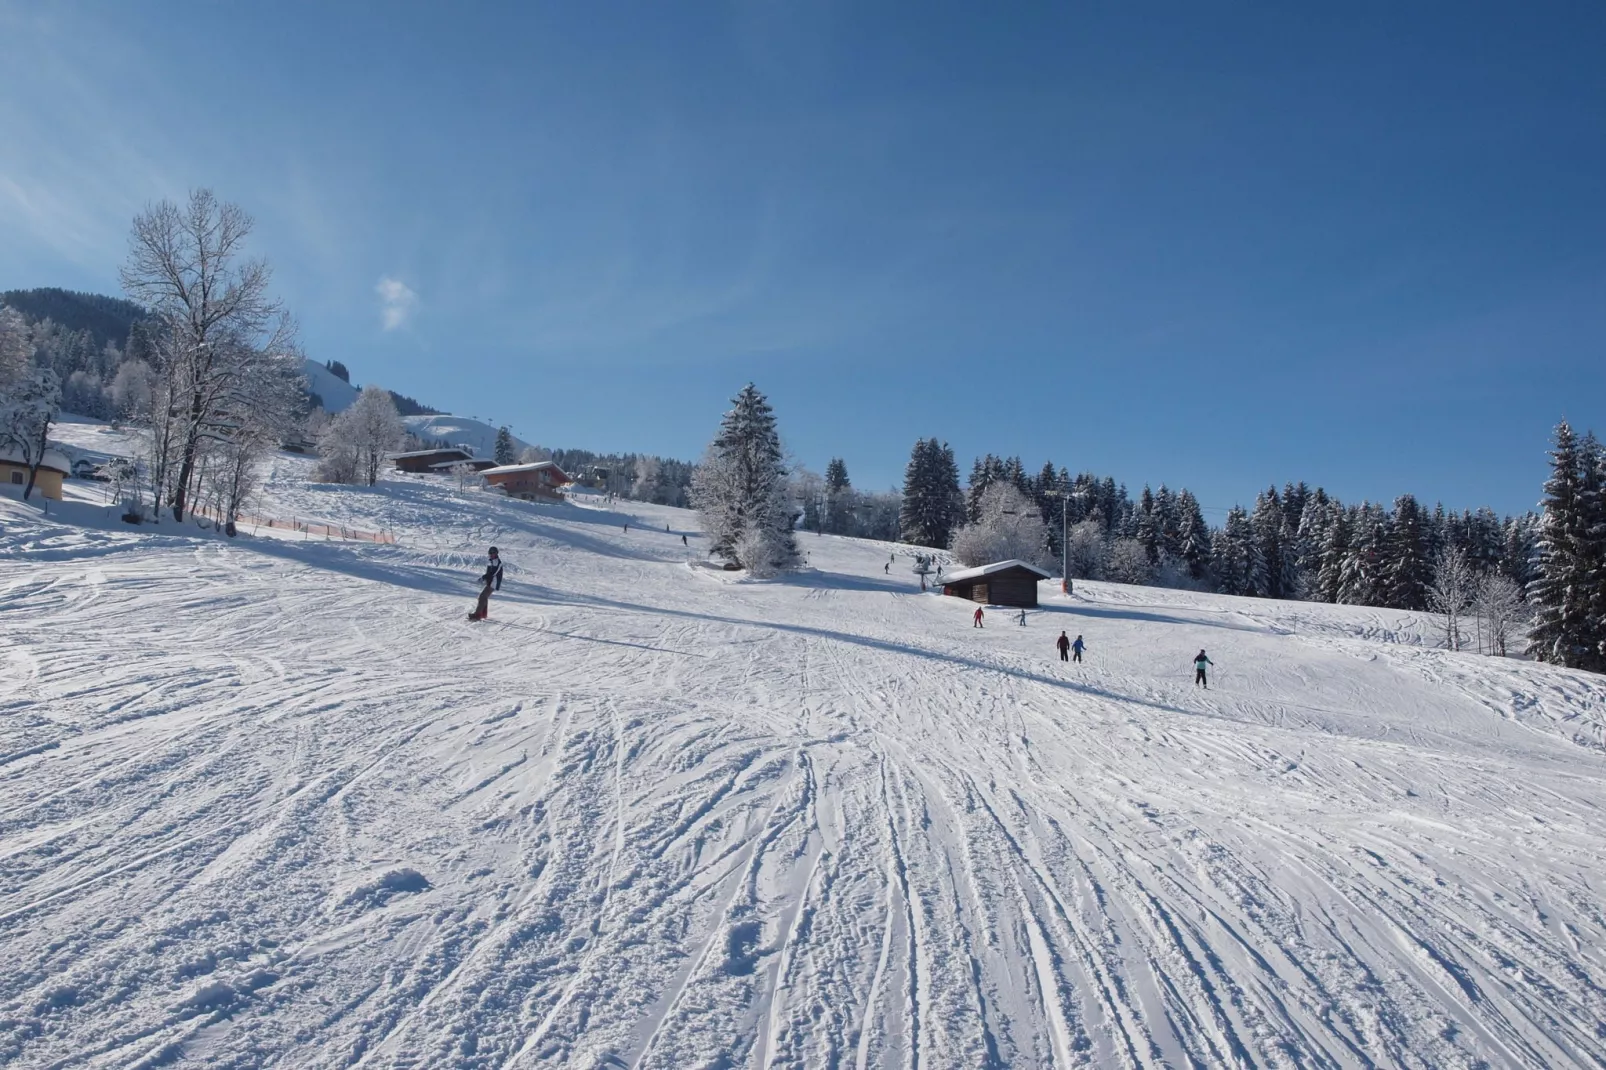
x,y
830,505
86,341
1294,543
741,490
639,476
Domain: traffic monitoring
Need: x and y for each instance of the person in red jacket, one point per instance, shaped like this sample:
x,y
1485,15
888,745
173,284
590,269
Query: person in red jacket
x,y
976,620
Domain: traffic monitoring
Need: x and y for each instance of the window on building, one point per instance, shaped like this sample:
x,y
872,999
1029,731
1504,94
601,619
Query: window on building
x,y
16,477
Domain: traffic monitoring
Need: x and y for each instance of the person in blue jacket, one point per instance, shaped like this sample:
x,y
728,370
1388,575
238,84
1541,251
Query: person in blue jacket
x,y
1199,663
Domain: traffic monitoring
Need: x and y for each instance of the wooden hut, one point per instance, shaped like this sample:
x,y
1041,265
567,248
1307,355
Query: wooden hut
x,y
421,461
1003,583
540,481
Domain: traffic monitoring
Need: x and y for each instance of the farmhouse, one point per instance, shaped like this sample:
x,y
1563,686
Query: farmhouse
x,y
52,470
1003,583
423,460
539,481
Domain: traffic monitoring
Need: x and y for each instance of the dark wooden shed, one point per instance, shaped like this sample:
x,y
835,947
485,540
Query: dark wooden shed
x,y
1003,583
422,461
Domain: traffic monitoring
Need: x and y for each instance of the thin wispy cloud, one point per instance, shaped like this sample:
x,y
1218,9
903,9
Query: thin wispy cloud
x,y
397,302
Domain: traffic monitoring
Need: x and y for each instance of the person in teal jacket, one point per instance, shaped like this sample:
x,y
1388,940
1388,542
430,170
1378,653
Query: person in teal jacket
x,y
1199,664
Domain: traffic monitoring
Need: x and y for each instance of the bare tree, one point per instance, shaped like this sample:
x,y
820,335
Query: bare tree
x,y
1450,592
1501,609
248,434
462,471
357,442
1008,526
215,319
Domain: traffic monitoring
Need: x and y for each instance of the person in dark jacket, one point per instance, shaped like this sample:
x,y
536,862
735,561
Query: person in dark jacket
x,y
1199,664
491,580
1064,645
1077,648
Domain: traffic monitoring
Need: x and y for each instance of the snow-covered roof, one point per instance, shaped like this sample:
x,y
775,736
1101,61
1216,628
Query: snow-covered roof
x,y
54,459
432,452
988,570
509,469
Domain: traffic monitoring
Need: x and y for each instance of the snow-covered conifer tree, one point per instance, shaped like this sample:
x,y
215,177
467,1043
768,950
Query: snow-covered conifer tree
x,y
933,505
1565,591
1408,566
503,452
1194,536
740,490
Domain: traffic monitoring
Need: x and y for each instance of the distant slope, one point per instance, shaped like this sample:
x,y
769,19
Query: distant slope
x,y
459,430
336,394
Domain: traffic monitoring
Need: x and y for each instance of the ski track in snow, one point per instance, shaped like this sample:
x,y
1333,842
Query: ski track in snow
x,y
275,802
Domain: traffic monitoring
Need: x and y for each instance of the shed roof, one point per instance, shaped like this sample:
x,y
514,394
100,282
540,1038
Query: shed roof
x,y
510,469
55,460
431,453
479,464
970,574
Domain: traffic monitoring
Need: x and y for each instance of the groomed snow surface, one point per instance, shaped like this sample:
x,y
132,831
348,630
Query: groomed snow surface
x,y
277,802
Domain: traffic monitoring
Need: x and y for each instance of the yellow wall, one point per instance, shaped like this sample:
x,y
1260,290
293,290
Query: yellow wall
x,y
48,482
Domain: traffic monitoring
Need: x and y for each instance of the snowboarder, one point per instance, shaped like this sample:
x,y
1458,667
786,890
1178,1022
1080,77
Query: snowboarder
x,y
1064,645
1077,648
977,618
1199,664
492,579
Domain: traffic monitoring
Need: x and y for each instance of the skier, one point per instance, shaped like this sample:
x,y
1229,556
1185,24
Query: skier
x,y
887,569
1064,645
1022,620
683,541
1199,664
1077,648
491,579
977,618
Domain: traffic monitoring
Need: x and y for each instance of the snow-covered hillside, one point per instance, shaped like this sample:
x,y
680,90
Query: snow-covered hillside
x,y
460,431
337,394
276,802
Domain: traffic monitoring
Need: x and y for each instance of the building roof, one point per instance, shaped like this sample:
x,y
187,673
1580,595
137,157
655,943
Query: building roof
x,y
512,469
479,464
54,460
971,574
434,452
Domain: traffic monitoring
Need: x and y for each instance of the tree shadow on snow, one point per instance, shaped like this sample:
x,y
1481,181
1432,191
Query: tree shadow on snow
x,y
884,645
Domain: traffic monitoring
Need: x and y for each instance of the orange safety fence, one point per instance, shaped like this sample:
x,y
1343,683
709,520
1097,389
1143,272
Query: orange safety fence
x,y
307,528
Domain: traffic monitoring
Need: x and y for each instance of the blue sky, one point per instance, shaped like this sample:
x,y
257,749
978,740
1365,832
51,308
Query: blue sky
x,y
1186,243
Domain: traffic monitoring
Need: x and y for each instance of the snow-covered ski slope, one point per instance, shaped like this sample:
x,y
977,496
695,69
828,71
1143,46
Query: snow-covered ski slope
x,y
277,803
